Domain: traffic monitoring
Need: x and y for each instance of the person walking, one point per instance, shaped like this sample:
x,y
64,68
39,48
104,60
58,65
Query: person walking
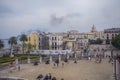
x,y
62,64
54,65
46,77
18,67
49,77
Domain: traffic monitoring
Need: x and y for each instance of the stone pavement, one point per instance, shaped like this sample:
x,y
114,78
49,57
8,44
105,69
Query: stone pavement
x,y
83,70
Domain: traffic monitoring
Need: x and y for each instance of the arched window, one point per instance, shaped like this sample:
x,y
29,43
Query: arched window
x,y
112,36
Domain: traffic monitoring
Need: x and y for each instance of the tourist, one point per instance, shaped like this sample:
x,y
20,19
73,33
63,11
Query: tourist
x,y
18,67
110,59
89,58
54,65
54,78
62,79
14,65
10,66
49,77
46,77
57,62
75,61
40,77
62,64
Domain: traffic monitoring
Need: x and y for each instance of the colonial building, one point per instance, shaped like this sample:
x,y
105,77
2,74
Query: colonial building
x,y
55,41
72,35
94,34
43,41
33,38
76,40
6,45
110,34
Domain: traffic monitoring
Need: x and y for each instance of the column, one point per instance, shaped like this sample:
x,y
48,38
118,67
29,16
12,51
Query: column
x,y
68,56
40,59
59,57
16,61
75,56
50,58
28,60
118,69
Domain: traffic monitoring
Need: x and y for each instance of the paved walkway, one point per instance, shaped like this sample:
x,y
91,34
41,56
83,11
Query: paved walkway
x,y
83,70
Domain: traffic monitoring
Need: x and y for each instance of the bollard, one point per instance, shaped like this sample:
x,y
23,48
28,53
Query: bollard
x,y
68,56
118,68
59,57
40,59
16,61
75,56
50,58
28,60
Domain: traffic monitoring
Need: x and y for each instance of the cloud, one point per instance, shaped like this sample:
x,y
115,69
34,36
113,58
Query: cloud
x,y
54,21
57,15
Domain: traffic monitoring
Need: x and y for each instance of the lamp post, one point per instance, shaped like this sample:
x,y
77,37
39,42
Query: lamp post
x,y
114,57
115,77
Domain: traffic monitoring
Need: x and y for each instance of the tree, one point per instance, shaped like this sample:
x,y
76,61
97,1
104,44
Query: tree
x,y
23,38
116,42
12,41
1,44
98,41
29,46
64,45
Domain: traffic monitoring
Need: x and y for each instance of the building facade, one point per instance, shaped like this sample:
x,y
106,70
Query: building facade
x,y
110,34
43,41
55,41
33,38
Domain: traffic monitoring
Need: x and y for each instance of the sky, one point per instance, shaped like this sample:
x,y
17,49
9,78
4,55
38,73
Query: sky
x,y
17,16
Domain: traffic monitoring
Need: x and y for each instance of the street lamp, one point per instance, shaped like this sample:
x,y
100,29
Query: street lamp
x,y
114,57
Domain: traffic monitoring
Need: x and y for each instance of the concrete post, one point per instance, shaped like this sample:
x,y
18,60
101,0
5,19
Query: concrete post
x,y
118,69
50,58
28,60
68,56
16,61
115,77
75,56
59,57
40,59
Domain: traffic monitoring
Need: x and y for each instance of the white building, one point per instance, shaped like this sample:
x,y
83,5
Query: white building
x,y
110,34
6,45
55,41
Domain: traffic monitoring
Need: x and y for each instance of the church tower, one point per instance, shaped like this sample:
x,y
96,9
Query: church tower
x,y
93,29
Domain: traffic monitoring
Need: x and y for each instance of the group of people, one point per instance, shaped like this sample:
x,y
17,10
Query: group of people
x,y
47,77
57,63
98,59
13,66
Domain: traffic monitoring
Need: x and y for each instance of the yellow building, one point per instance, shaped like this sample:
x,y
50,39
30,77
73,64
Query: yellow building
x,y
33,38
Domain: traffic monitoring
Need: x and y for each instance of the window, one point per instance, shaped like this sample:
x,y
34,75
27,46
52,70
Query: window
x,y
115,35
52,38
52,44
55,38
107,35
29,38
55,44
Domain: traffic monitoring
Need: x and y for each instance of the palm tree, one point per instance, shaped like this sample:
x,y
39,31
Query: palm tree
x,y
12,41
29,46
1,44
23,38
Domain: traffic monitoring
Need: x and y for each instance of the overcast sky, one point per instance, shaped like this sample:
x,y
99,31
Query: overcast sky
x,y
18,16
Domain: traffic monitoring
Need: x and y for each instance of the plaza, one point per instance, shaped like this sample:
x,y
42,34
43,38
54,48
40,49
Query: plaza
x,y
82,70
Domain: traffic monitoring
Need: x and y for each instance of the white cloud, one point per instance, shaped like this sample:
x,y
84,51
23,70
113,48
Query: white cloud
x,y
20,15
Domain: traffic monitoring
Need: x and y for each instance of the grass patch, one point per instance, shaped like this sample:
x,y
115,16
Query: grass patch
x,y
19,56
